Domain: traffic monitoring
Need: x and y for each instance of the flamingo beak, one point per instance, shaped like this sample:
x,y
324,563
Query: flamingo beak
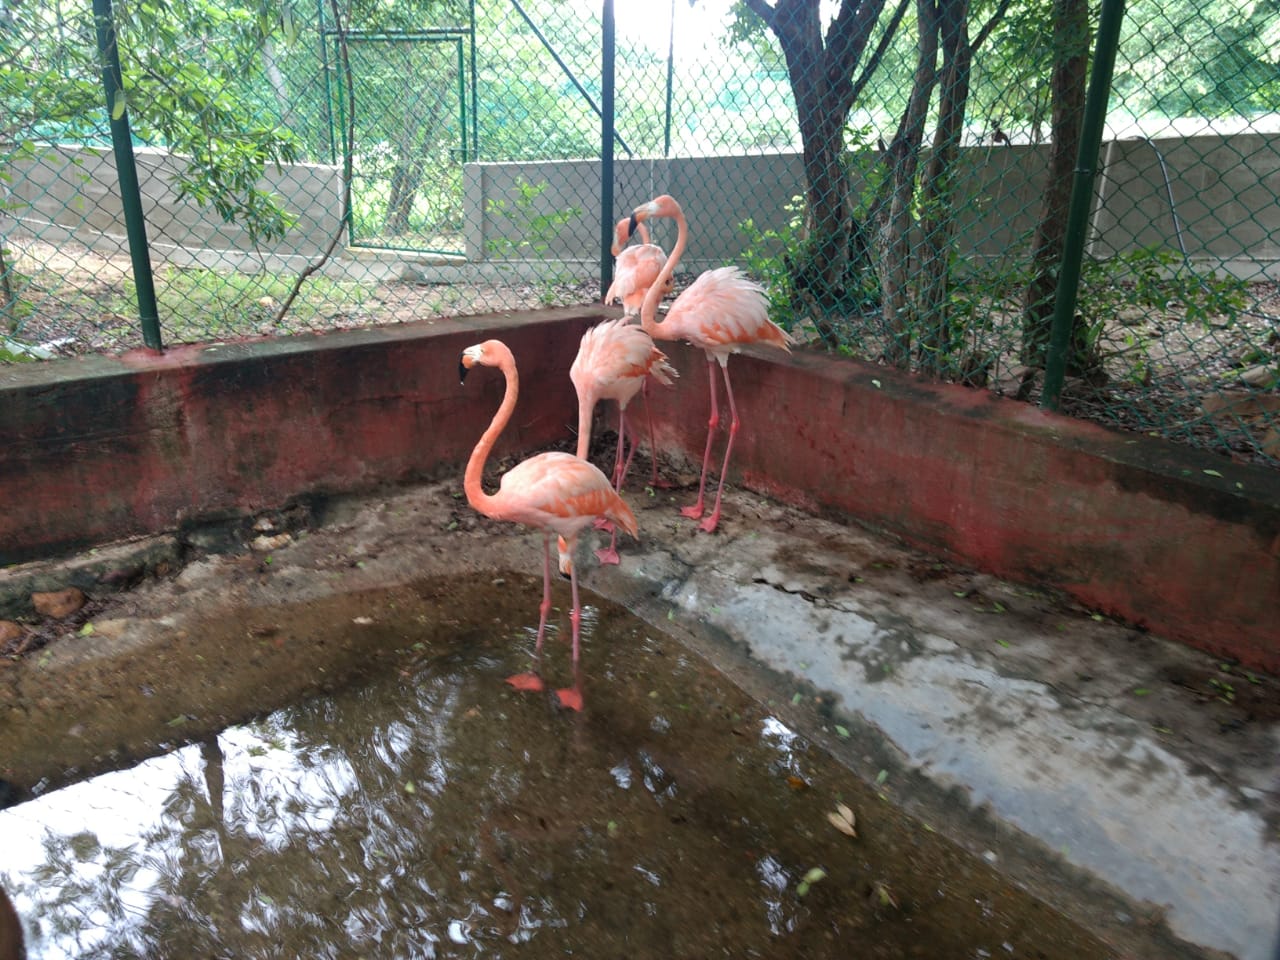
x,y
462,369
631,225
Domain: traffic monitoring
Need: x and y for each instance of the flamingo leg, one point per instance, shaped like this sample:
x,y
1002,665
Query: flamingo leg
x,y
695,512
571,698
653,444
609,554
709,524
626,467
622,442
532,680
653,441
619,472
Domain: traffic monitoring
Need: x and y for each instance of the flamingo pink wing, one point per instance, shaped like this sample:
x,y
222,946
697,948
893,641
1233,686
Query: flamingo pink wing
x,y
724,309
559,492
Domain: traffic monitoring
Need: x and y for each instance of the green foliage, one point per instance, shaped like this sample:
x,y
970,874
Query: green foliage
x,y
529,232
1151,279
778,257
765,258
201,304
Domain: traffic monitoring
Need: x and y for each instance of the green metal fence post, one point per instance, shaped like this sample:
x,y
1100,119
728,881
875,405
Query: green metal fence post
x,y
1095,117
607,39
127,174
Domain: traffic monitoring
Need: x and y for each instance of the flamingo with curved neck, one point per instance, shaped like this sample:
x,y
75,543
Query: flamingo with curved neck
x,y
636,268
720,312
555,492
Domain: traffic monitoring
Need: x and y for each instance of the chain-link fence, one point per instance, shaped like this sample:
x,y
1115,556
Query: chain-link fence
x,y
902,178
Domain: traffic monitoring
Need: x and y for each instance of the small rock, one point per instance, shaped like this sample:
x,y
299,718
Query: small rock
x,y
264,525
58,604
1260,375
9,632
265,544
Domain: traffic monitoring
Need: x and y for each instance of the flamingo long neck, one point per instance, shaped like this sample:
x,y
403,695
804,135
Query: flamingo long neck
x,y
649,309
586,409
476,496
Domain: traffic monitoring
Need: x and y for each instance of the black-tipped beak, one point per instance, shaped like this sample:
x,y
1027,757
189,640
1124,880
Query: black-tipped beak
x,y
462,372
631,225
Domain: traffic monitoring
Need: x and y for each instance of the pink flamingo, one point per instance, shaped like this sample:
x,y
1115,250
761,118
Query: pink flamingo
x,y
634,272
556,492
721,312
636,267
614,361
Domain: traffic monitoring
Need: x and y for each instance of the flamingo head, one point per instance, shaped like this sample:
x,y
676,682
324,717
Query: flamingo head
x,y
622,233
487,354
663,206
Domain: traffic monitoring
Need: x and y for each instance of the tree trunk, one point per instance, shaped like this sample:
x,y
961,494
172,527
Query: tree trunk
x,y
278,86
413,153
821,69
937,222
903,159
1067,88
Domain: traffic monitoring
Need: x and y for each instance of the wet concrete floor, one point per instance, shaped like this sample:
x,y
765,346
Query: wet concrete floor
x,y
1020,770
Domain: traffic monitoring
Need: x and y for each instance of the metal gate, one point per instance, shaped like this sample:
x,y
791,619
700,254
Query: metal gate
x,y
410,137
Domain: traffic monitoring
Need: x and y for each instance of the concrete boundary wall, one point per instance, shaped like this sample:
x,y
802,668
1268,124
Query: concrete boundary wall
x,y
1164,536
1223,190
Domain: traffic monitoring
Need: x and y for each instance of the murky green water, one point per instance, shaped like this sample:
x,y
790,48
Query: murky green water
x,y
431,811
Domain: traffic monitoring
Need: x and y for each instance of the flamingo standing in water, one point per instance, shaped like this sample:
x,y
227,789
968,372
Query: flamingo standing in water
x,y
722,311
556,492
614,361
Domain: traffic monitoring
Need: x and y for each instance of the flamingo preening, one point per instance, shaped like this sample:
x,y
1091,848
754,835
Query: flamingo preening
x,y
635,268
614,361
556,492
722,311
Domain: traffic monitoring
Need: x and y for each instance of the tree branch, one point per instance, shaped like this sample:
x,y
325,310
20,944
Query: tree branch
x,y
877,55
990,25
348,136
764,11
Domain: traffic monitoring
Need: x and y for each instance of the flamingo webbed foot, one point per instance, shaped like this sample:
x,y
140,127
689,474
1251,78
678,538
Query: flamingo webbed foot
x,y
529,682
607,555
710,523
570,699
603,523
693,513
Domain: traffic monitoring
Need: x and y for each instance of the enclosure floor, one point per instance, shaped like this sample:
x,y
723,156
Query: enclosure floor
x,y
1127,781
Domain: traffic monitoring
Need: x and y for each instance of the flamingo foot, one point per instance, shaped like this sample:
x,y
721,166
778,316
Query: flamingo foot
x,y
694,512
526,681
709,525
570,699
607,555
603,523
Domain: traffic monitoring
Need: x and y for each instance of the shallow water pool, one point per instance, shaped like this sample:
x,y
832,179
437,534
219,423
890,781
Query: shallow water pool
x,y
428,810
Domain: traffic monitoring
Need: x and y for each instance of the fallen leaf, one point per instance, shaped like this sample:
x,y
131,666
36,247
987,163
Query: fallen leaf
x,y
842,819
812,876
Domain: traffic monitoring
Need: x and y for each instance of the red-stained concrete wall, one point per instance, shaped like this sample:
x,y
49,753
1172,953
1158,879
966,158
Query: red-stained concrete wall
x,y
103,448
99,449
